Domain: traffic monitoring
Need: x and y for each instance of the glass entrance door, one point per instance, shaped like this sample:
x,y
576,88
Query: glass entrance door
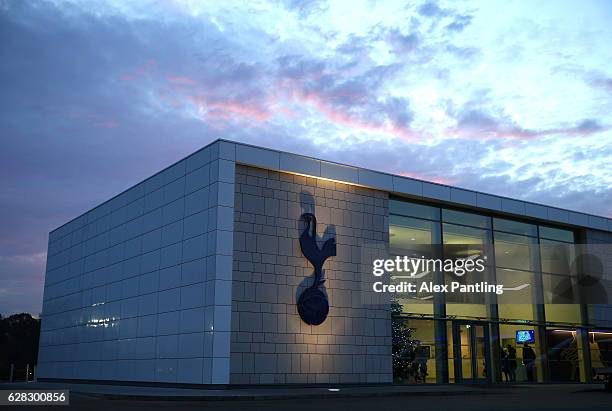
x,y
471,351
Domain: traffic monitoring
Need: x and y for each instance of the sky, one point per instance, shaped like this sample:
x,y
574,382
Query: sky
x,y
506,97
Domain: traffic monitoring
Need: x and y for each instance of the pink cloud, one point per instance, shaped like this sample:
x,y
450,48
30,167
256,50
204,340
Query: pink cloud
x,y
228,109
341,114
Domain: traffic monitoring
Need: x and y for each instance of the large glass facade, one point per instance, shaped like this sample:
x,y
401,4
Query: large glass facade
x,y
470,338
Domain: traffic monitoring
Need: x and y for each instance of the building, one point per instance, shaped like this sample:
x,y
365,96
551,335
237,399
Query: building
x,y
192,277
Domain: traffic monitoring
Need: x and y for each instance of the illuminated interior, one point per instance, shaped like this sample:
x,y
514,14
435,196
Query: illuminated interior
x,y
534,262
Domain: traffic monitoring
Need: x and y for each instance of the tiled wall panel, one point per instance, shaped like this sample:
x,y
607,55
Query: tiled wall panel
x,y
131,286
269,342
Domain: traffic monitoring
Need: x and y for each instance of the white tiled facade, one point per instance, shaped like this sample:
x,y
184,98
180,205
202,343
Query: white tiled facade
x,y
139,288
143,287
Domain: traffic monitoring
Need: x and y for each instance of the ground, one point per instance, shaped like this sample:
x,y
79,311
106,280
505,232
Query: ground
x,y
555,397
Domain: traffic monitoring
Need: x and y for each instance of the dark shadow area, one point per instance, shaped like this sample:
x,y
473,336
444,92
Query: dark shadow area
x,y
589,278
19,336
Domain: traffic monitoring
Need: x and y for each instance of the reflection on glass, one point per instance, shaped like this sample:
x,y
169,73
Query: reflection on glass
x,y
460,217
515,227
514,251
556,257
413,210
600,345
559,289
519,295
556,234
564,355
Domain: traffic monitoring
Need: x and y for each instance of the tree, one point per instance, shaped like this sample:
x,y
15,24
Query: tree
x,y
19,336
403,346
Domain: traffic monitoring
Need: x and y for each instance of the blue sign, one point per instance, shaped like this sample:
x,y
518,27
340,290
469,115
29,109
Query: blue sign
x,y
525,336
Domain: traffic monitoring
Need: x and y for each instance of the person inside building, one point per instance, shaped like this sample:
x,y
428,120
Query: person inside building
x,y
529,357
422,355
504,365
511,362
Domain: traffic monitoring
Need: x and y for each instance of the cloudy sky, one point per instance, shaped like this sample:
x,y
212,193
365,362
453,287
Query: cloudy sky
x,y
508,97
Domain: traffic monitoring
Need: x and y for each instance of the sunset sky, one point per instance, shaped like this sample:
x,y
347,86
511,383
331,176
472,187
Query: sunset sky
x,y
510,97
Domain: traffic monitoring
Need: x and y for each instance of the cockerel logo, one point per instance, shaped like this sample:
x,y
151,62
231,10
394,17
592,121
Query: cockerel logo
x,y
313,306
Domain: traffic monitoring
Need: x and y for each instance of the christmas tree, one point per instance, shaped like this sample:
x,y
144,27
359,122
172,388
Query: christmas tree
x,y
403,351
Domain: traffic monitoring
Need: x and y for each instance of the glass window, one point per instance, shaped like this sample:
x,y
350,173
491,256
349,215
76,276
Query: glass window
x,y
463,241
455,234
460,217
563,313
515,227
556,234
472,278
413,351
558,289
450,353
519,287
412,237
464,310
406,233
513,312
407,208
600,345
413,306
564,355
515,251
556,257
517,364
465,305
516,303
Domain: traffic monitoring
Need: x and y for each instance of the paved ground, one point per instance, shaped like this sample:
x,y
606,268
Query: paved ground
x,y
547,397
138,392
